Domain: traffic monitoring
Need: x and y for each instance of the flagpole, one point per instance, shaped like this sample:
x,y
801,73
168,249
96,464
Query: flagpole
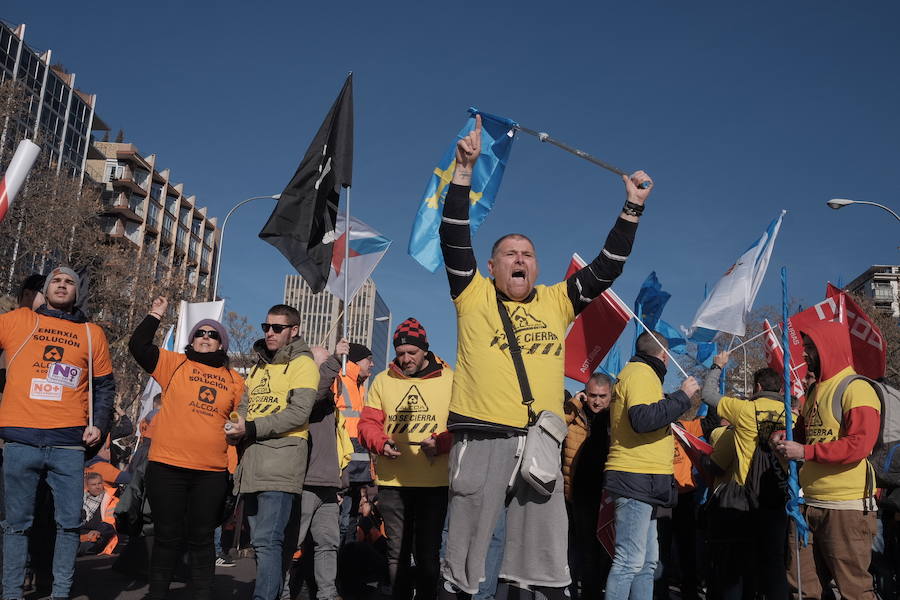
x,y
789,418
641,323
545,137
346,277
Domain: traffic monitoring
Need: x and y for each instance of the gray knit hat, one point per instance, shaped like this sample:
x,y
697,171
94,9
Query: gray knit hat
x,y
223,334
62,270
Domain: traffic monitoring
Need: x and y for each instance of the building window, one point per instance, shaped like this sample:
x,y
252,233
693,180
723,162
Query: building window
x,y
156,191
153,213
172,205
141,176
136,204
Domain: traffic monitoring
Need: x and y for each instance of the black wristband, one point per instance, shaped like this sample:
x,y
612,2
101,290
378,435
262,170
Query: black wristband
x,y
633,210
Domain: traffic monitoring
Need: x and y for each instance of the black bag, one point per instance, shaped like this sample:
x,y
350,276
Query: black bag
x,y
764,486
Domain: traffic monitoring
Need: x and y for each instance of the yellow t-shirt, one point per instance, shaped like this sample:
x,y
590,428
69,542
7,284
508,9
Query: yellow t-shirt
x,y
633,452
414,409
268,388
831,481
744,415
485,385
723,454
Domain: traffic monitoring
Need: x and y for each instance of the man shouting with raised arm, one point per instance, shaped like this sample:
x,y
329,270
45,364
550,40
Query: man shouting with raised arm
x,y
487,415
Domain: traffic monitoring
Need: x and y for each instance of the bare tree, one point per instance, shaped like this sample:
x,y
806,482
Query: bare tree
x,y
241,336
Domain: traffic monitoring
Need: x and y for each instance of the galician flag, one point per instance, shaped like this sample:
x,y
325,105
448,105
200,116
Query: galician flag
x,y
728,305
367,247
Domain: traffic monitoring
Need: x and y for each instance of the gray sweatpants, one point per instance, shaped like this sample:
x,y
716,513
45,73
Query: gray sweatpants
x,y
481,467
319,516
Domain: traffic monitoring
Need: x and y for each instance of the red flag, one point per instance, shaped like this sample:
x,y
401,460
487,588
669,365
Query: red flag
x,y
594,331
606,524
775,360
866,341
694,445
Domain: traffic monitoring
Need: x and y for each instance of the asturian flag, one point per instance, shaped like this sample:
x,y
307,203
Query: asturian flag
x,y
497,134
728,305
367,247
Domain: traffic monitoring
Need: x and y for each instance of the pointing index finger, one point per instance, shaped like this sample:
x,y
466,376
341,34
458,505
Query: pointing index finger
x,y
478,124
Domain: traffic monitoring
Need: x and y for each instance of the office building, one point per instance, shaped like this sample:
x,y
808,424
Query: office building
x,y
369,319
60,118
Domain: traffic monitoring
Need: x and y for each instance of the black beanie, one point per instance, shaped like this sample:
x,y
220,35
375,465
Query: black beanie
x,y
358,352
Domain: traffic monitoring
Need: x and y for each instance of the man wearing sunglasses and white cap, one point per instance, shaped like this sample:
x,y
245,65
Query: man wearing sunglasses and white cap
x,y
272,428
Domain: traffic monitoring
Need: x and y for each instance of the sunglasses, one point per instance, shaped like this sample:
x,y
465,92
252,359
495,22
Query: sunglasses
x,y
276,327
211,334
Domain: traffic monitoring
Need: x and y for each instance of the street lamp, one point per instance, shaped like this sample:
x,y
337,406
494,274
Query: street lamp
x,y
837,203
222,236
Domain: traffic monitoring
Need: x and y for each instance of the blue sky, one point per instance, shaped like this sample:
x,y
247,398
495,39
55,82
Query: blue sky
x,y
736,111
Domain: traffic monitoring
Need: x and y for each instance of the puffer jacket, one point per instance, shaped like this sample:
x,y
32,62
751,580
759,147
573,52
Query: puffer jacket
x,y
579,429
579,423
272,459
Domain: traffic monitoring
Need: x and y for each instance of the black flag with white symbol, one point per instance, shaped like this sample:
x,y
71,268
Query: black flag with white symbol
x,y
302,224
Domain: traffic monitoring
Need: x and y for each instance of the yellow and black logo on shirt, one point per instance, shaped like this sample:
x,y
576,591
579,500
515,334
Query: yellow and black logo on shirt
x,y
412,401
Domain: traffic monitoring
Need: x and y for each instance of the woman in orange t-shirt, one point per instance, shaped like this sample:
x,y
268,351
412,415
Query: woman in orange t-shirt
x,y
187,478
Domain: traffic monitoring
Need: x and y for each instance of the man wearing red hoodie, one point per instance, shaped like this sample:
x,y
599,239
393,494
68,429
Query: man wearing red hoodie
x,y
405,424
837,480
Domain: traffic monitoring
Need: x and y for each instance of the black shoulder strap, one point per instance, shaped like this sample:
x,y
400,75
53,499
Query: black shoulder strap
x,y
515,351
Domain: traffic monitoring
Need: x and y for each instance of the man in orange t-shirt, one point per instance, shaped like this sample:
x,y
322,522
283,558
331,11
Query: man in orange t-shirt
x,y
54,356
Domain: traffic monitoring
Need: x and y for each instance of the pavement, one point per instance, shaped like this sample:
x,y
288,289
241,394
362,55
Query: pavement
x,y
96,580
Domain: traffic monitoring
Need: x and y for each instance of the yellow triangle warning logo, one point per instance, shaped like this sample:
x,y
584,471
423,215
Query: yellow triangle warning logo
x,y
412,401
522,320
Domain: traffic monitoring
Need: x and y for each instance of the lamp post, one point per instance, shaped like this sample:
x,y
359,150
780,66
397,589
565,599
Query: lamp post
x,y
838,203
222,236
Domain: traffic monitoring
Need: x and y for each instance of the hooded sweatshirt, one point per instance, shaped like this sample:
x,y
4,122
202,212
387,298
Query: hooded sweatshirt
x,y
278,398
835,467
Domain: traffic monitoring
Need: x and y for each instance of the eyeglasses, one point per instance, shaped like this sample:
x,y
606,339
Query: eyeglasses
x,y
209,333
276,327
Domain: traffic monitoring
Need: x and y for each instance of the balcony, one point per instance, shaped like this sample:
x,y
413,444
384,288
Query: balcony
x,y
121,204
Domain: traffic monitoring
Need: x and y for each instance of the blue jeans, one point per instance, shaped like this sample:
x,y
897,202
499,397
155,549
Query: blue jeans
x,y
269,513
23,467
637,552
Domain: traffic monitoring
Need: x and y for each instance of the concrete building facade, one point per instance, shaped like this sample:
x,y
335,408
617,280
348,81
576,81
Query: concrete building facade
x,y
369,318
881,283
142,205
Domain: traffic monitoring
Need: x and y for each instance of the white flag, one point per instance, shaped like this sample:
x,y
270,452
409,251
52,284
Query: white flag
x,y
152,388
728,305
189,313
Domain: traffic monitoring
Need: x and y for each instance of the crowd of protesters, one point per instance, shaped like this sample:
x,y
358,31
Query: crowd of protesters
x,y
431,482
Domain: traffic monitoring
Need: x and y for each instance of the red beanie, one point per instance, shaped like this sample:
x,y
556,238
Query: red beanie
x,y
411,332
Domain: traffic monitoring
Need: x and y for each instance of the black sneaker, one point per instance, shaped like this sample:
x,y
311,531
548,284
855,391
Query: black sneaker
x,y
223,560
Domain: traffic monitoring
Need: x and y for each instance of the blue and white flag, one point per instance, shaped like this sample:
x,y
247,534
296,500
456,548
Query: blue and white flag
x,y
367,248
152,388
728,305
497,134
